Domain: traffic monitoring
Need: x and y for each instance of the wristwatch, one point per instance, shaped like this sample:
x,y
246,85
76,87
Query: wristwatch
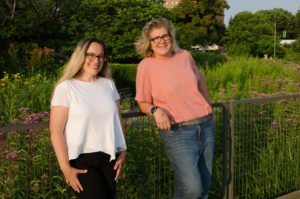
x,y
153,109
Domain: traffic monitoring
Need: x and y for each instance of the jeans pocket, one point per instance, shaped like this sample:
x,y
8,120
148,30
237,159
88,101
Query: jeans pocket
x,y
172,133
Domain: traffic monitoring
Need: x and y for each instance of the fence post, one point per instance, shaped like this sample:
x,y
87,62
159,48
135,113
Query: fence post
x,y
231,163
224,143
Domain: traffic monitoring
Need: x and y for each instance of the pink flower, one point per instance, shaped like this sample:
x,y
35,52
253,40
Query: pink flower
x,y
128,122
262,112
14,121
36,185
275,123
261,95
44,177
2,135
253,94
288,119
13,155
11,181
278,93
24,110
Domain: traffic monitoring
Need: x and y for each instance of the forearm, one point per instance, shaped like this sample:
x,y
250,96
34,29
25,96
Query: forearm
x,y
203,89
145,107
60,148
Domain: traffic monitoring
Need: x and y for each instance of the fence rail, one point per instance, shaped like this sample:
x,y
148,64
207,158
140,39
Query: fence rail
x,y
257,155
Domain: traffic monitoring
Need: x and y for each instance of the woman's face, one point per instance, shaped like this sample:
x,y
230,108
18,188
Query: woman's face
x,y
161,42
94,59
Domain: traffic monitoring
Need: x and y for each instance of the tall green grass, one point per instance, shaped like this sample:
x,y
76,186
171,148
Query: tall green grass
x,y
242,78
239,78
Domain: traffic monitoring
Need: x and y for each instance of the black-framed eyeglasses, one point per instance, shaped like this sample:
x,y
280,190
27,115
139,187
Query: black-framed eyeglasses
x,y
165,37
92,57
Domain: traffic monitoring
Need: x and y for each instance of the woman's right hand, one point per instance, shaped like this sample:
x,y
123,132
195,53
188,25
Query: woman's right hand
x,y
162,120
71,174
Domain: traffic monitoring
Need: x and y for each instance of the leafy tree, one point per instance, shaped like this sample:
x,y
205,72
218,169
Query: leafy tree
x,y
253,34
297,29
26,24
38,21
197,21
118,23
265,45
285,21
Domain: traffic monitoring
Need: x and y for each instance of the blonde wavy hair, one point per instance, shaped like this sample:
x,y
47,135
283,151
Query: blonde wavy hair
x,y
143,44
77,60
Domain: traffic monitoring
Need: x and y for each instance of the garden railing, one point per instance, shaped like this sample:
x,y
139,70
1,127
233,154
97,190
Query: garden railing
x,y
257,155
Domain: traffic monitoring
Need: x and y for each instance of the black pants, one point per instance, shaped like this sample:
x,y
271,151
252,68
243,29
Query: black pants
x,y
98,182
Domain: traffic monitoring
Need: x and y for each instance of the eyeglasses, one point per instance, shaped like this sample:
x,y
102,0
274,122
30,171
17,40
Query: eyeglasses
x,y
157,40
92,57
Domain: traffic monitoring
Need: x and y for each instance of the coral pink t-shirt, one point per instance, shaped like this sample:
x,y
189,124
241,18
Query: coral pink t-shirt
x,y
172,84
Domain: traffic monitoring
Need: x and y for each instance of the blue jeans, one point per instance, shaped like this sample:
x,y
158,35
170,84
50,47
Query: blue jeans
x,y
190,151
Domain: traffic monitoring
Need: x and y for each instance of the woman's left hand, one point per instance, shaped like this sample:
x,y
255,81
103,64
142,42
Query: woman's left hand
x,y
119,164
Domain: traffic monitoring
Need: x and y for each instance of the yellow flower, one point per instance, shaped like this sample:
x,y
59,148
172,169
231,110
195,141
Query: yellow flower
x,y
26,82
17,76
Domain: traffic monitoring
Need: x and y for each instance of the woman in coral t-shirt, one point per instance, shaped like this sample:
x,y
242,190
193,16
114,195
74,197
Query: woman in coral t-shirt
x,y
170,87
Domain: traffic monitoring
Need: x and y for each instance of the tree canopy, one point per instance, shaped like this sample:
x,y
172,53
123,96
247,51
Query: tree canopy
x,y
253,34
118,23
297,29
197,21
60,24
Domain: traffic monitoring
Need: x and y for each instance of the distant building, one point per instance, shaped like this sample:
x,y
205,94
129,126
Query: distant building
x,y
173,3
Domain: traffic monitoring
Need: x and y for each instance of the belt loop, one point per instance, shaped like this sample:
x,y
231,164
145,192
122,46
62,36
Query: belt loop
x,y
179,125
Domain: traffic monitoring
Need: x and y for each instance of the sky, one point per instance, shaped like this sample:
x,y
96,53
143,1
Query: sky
x,y
237,6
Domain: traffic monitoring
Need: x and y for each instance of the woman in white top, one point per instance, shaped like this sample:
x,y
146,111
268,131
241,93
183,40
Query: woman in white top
x,y
85,123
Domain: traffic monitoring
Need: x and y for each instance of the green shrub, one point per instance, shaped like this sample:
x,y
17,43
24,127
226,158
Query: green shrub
x,y
241,49
207,60
30,59
124,75
296,45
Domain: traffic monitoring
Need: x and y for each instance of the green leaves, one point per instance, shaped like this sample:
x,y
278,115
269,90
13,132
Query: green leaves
x,y
197,22
118,23
253,34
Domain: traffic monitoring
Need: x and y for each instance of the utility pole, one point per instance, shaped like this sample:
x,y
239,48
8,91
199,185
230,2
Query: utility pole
x,y
274,40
